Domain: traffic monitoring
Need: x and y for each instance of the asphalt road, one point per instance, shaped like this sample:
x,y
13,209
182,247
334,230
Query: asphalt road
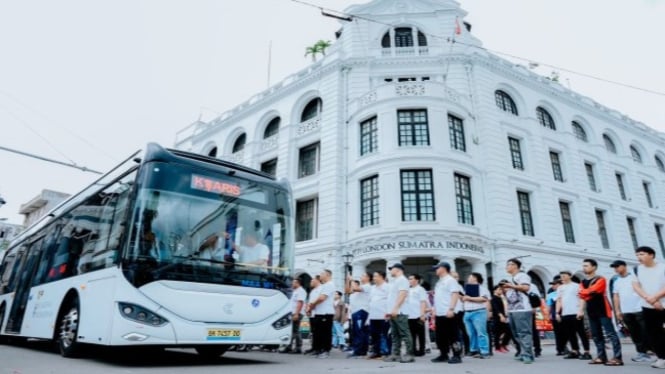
x,y
39,358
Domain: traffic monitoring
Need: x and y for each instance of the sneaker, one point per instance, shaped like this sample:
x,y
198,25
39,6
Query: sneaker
x,y
374,356
440,359
323,354
572,355
527,360
406,359
586,356
428,350
472,353
484,356
296,352
659,364
391,358
642,357
455,360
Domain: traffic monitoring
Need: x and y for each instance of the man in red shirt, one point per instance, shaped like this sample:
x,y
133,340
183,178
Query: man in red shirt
x,y
592,294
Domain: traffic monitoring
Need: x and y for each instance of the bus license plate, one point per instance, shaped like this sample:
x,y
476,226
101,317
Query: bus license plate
x,y
223,334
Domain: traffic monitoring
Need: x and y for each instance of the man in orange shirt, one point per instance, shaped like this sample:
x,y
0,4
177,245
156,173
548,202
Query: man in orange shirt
x,y
592,294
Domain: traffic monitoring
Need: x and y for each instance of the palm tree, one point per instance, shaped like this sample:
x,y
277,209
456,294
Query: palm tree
x,y
318,47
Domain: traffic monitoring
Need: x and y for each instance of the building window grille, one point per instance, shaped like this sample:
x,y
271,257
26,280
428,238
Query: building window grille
x,y
622,189
556,167
525,213
602,229
270,167
659,236
590,176
272,128
516,153
239,144
417,195
463,199
369,201
456,131
647,193
306,219
369,139
413,127
609,144
545,119
567,222
659,164
631,230
637,157
312,110
308,161
579,132
505,102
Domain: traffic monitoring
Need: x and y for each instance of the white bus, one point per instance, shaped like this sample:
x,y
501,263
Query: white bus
x,y
168,249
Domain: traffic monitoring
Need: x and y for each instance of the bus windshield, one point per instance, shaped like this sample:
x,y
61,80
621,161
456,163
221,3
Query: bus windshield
x,y
188,225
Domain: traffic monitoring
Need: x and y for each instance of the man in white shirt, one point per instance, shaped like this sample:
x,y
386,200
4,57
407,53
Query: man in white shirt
x,y
324,309
628,308
378,325
359,305
297,302
253,253
446,298
567,306
314,293
397,314
650,286
417,309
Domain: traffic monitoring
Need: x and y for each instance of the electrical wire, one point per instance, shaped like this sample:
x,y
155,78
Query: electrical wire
x,y
452,39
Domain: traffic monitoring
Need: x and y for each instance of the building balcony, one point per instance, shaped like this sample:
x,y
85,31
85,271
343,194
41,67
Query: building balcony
x,y
270,143
405,51
307,127
407,89
237,157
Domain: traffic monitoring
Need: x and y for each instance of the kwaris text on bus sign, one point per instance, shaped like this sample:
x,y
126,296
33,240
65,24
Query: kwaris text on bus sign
x,y
214,185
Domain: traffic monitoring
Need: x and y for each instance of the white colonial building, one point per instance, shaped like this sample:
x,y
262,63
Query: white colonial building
x,y
412,143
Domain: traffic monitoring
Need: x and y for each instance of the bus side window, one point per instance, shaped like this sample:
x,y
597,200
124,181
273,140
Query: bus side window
x,y
8,270
49,247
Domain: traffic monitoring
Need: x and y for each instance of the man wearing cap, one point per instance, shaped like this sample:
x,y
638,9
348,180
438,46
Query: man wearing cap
x,y
398,315
650,285
567,306
628,308
446,298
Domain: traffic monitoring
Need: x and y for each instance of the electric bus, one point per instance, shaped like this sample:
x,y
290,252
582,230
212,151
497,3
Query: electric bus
x,y
168,249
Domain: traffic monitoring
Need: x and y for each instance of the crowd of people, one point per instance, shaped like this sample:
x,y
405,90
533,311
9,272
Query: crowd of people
x,y
390,318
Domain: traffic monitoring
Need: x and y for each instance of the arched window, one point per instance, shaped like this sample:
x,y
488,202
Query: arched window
x,y
312,109
637,157
609,144
404,38
545,118
272,128
659,164
505,102
579,132
239,145
212,152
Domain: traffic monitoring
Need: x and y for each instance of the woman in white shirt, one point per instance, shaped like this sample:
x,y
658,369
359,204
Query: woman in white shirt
x,y
475,300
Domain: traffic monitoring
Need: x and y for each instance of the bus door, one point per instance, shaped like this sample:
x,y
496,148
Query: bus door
x,y
22,280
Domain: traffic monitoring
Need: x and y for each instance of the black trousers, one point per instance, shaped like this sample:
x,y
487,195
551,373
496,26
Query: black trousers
x,y
447,336
560,337
573,328
536,337
502,334
654,320
417,328
638,330
323,334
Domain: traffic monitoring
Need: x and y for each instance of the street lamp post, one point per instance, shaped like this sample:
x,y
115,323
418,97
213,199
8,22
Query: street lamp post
x,y
347,258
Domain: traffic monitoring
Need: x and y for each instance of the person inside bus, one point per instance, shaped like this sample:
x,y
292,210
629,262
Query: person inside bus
x,y
252,252
212,247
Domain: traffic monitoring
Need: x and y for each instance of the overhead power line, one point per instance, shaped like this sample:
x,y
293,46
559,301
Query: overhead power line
x,y
71,165
449,39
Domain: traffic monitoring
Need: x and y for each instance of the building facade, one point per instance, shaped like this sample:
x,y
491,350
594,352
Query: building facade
x,y
41,204
412,143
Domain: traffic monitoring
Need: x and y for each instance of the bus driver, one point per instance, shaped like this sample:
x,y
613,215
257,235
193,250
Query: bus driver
x,y
252,252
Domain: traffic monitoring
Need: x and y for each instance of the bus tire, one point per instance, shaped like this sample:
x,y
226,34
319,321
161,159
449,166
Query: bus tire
x,y
212,351
3,339
67,328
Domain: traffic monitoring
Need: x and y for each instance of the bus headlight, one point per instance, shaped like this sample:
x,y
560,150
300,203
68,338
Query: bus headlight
x,y
283,322
140,314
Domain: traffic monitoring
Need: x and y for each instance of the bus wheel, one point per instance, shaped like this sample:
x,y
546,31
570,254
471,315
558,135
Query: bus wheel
x,y
68,326
212,351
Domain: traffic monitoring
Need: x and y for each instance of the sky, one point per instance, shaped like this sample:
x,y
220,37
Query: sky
x,y
90,82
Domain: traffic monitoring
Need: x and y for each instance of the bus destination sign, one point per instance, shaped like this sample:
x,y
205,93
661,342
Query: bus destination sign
x,y
214,186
